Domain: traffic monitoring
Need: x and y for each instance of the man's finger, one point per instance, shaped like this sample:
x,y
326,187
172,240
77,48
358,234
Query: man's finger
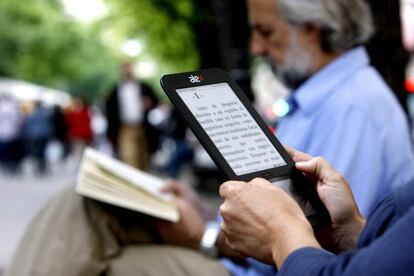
x,y
167,188
224,188
227,187
170,186
298,156
314,166
260,182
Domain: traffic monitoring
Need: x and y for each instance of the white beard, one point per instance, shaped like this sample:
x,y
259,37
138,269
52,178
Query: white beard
x,y
297,65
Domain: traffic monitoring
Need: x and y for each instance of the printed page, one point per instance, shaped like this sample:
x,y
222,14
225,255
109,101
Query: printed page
x,y
142,180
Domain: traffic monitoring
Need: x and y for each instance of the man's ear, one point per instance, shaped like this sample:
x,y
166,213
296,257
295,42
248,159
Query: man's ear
x,y
312,32
314,35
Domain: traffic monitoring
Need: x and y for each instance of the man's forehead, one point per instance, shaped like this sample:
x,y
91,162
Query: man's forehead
x,y
262,11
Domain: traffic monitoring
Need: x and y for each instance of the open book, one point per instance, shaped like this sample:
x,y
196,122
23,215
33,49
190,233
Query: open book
x,y
108,180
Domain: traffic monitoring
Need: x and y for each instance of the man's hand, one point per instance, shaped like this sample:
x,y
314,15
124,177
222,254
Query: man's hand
x,y
188,231
193,213
186,193
262,221
181,191
335,193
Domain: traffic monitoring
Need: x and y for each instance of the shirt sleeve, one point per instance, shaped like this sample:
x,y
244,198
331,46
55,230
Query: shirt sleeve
x,y
349,141
390,254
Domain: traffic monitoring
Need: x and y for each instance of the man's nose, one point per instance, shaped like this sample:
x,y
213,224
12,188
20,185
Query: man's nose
x,y
258,46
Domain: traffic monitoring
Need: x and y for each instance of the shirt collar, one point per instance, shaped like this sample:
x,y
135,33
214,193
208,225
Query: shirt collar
x,y
315,90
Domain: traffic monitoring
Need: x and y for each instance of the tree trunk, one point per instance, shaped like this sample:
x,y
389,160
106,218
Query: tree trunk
x,y
386,49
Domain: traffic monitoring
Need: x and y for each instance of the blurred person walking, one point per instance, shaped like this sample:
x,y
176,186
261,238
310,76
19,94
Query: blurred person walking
x,y
78,121
129,131
10,130
60,129
38,130
183,151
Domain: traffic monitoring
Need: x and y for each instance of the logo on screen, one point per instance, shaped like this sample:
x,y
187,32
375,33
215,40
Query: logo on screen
x,y
196,79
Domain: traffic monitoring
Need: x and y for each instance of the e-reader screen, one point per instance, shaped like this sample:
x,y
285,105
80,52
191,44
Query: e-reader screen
x,y
235,133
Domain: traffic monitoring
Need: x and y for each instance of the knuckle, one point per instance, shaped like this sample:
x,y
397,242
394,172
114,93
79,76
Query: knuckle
x,y
338,177
234,189
223,188
293,153
320,160
224,210
256,181
224,228
259,182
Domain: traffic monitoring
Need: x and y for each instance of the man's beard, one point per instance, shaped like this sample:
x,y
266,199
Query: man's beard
x,y
297,65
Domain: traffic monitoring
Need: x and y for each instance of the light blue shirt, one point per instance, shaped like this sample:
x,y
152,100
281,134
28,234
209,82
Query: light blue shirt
x,y
348,115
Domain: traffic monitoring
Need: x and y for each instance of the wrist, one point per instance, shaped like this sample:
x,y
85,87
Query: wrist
x,y
291,237
353,233
346,233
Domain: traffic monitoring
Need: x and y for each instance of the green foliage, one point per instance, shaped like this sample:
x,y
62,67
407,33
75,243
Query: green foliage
x,y
41,44
165,26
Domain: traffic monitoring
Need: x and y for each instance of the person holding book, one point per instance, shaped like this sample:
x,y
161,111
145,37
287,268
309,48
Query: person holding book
x,y
341,110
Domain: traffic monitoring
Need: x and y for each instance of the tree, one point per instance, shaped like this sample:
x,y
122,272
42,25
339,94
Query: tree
x,y
42,44
164,26
39,43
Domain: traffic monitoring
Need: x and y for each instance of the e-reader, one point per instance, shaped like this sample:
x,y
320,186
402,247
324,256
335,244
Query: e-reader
x,y
236,137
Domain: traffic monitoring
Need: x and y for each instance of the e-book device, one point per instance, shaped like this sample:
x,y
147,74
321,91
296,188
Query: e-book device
x,y
236,137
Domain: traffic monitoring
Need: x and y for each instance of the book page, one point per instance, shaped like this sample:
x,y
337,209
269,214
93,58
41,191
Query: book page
x,y
108,180
142,180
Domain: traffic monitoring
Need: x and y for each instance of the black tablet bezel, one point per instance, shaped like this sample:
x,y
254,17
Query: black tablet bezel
x,y
170,84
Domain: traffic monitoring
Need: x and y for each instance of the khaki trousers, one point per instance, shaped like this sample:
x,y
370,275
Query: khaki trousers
x,y
76,236
133,146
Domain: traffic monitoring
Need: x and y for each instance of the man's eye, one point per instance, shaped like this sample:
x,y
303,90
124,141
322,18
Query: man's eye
x,y
265,32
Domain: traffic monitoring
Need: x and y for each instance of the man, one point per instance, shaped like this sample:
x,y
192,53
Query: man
x,y
341,109
38,130
128,129
11,121
262,221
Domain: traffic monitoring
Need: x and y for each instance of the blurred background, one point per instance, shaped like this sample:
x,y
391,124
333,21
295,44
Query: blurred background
x,y
60,60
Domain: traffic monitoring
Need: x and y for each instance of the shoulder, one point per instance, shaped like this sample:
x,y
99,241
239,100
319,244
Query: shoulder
x,y
366,95
396,207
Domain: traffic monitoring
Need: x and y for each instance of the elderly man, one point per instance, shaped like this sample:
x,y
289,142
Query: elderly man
x,y
341,109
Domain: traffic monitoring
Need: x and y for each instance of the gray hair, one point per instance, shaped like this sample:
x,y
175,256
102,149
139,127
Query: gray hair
x,y
344,23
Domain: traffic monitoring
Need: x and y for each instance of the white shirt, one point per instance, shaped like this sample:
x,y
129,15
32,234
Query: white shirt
x,y
130,103
10,120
